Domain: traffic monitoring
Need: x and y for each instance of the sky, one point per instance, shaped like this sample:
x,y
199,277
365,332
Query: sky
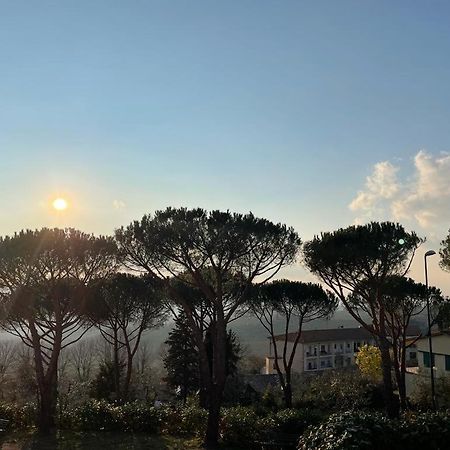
x,y
317,114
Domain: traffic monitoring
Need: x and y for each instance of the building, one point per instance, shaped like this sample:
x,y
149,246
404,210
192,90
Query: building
x,y
440,360
322,349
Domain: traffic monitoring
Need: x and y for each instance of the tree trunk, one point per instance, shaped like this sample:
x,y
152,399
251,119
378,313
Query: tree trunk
x,y
126,385
388,390
116,363
402,381
212,428
287,394
47,404
204,377
219,340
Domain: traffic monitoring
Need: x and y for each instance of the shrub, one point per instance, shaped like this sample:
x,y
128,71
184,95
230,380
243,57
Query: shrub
x,y
94,415
240,427
373,431
294,421
17,417
136,416
350,431
335,391
429,430
182,420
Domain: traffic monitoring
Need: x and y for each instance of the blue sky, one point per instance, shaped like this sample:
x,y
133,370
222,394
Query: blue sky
x,y
282,108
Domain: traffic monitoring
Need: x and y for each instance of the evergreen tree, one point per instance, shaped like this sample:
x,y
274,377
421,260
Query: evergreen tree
x,y
182,359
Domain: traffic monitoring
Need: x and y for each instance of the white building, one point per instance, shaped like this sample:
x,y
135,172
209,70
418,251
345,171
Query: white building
x,y
321,349
441,360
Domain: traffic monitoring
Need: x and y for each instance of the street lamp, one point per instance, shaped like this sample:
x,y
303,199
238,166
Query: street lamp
x,y
430,344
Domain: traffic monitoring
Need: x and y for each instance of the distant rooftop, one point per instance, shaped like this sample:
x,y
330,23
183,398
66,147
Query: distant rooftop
x,y
336,334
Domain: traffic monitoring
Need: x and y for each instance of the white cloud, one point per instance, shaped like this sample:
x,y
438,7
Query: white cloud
x,y
420,200
381,185
119,204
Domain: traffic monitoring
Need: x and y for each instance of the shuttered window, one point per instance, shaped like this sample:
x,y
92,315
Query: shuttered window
x,y
447,362
426,359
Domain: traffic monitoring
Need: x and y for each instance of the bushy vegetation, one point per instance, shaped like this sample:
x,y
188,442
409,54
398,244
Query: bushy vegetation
x,y
374,431
339,391
17,417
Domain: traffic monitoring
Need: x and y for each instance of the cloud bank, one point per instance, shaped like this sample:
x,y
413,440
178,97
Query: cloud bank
x,y
420,200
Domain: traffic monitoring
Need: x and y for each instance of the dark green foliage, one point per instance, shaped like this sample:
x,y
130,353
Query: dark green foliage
x,y
98,415
232,351
183,420
295,421
244,427
181,360
373,431
103,385
350,431
17,417
339,391
240,427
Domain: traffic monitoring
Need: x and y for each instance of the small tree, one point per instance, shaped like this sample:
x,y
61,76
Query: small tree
x,y
368,360
125,307
356,264
296,303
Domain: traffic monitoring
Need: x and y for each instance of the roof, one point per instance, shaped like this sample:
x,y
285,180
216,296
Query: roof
x,y
336,334
259,382
435,334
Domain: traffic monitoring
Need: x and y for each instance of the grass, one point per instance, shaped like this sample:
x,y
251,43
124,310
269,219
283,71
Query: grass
x,y
101,440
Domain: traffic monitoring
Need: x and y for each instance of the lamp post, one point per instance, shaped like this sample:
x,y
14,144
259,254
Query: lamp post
x,y
430,344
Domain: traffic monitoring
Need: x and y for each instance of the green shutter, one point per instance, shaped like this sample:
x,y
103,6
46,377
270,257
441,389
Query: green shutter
x,y
447,362
426,359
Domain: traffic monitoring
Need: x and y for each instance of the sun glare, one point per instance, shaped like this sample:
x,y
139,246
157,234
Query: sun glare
x,y
59,204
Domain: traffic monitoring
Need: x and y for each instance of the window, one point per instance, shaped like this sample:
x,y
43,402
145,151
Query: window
x,y
426,359
447,362
412,355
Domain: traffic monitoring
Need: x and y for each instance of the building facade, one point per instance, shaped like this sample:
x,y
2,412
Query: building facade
x,y
440,360
319,350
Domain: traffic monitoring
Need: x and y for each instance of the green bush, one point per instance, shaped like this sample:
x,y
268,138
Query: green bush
x,y
430,430
136,416
94,415
294,421
17,417
99,415
335,391
183,420
240,427
373,431
350,431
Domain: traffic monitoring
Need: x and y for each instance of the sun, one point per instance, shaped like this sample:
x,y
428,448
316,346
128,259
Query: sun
x,y
60,204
